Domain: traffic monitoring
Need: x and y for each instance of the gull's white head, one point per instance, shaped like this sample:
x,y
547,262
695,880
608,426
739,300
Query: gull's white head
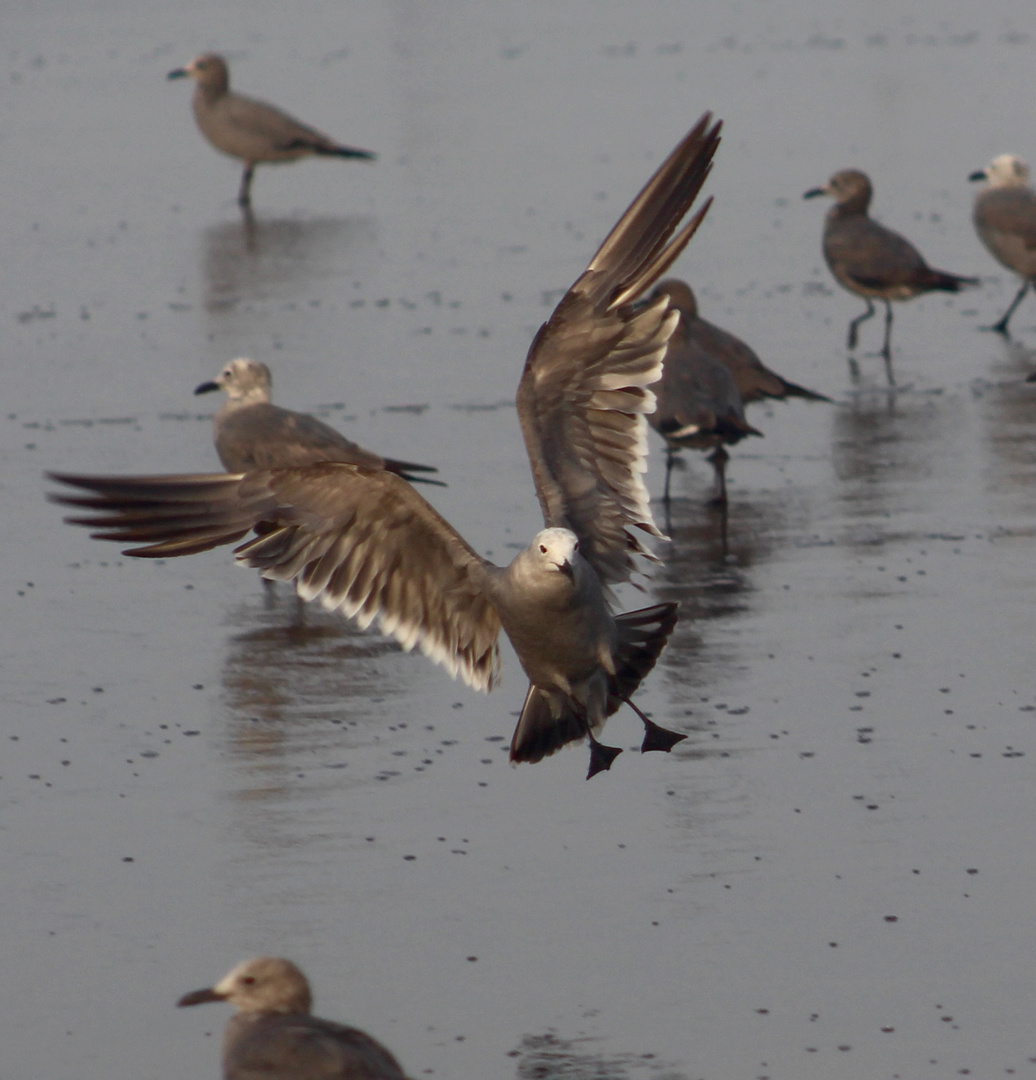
x,y
555,549
266,984
1006,171
246,382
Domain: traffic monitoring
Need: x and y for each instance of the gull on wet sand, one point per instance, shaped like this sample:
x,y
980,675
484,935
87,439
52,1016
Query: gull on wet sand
x,y
250,130
871,261
1005,220
698,407
754,380
367,544
251,433
708,378
272,1036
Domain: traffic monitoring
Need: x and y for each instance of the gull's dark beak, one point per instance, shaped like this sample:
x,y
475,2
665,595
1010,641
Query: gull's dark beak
x,y
199,997
178,73
207,388
813,193
566,569
980,175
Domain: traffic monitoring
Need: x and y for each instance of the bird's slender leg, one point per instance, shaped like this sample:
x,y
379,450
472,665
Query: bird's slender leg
x,y
886,348
851,343
719,458
601,756
668,473
655,737
244,195
1001,326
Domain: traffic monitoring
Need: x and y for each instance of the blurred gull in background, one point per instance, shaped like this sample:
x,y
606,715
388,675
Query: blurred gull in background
x,y
250,130
1005,220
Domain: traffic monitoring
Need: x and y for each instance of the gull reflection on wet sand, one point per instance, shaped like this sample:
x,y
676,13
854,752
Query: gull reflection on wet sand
x,y
248,261
713,581
303,691
1007,406
550,1055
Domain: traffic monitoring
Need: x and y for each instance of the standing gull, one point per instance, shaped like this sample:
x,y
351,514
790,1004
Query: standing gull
x,y
250,433
754,380
698,407
250,130
1005,220
870,260
368,545
272,1035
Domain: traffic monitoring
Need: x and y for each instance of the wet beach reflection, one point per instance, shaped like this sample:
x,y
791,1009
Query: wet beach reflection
x,y
251,259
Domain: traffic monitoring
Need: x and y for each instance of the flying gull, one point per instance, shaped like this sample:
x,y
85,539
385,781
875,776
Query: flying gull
x,y
871,261
367,544
250,130
272,1035
1005,220
250,433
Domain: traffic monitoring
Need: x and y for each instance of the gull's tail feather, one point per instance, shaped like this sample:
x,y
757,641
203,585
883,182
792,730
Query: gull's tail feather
x,y
790,389
642,637
344,152
406,469
539,733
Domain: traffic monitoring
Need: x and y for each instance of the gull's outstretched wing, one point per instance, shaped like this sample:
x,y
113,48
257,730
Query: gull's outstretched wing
x,y
360,540
584,391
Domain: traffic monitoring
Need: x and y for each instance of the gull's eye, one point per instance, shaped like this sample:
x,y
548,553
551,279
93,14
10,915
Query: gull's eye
x,y
248,980
543,549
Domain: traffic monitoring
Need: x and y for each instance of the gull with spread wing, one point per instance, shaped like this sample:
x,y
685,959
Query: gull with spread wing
x,y
365,543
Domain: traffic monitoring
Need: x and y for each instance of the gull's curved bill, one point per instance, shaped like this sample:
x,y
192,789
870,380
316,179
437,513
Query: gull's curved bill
x,y
365,543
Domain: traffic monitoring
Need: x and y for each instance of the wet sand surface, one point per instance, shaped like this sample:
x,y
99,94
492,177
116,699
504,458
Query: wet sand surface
x,y
833,875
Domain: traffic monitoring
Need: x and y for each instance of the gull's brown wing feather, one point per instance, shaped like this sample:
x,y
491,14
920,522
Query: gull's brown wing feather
x,y
584,390
360,540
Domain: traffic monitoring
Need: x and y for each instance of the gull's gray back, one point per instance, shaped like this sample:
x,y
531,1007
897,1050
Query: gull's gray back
x,y
264,436
274,1046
